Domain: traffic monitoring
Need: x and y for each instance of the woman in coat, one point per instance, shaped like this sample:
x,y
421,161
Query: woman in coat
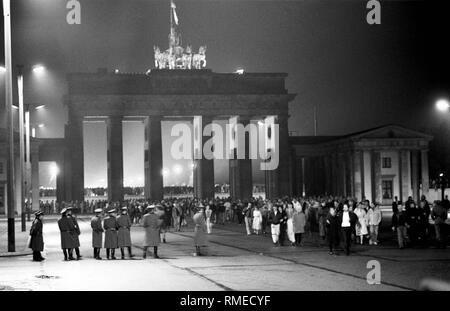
x,y
299,222
37,240
257,220
152,225
97,233
199,230
123,233
290,224
361,225
110,226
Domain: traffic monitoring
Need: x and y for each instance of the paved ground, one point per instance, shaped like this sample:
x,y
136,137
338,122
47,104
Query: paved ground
x,y
234,261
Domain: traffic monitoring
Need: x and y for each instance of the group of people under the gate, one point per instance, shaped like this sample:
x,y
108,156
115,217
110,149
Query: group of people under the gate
x,y
339,222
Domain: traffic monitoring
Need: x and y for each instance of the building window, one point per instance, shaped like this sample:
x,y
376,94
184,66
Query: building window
x,y
387,189
387,163
1,168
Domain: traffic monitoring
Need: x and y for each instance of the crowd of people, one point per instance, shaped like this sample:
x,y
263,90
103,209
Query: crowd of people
x,y
340,222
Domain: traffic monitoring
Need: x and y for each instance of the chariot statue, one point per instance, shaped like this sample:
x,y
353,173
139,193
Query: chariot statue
x,y
177,57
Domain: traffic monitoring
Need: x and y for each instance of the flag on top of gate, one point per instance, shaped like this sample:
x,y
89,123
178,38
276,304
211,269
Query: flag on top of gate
x,y
173,6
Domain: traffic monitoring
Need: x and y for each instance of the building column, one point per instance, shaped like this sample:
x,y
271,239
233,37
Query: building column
x,y
377,191
35,181
240,170
328,175
203,168
425,174
115,159
18,187
60,178
75,145
284,183
153,158
415,174
405,176
357,179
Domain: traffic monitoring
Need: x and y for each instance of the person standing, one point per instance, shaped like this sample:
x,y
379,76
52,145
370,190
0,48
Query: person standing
x,y
36,237
439,215
208,214
247,212
374,216
400,225
274,220
199,231
344,221
97,233
324,208
67,231
110,226
76,233
290,224
152,225
176,216
332,223
361,225
123,233
257,220
299,222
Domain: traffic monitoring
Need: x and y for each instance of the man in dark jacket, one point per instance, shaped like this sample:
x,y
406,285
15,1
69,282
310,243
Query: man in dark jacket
x,y
67,230
275,218
76,233
111,241
332,224
37,240
400,224
97,233
439,215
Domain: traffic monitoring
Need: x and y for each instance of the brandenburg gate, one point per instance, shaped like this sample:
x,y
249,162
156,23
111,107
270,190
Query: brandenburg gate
x,y
173,94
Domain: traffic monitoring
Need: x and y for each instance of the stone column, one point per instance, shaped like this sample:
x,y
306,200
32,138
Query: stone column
x,y
115,158
240,170
425,175
76,151
415,174
357,179
377,190
284,183
405,170
203,168
328,176
35,181
153,158
60,189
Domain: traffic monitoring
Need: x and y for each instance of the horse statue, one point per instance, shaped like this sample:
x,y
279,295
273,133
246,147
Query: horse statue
x,y
187,58
161,58
199,60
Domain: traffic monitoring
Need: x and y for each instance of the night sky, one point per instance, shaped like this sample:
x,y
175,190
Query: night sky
x,y
358,76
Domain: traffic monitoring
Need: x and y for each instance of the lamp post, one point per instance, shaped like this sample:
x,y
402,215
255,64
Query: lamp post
x,y
9,126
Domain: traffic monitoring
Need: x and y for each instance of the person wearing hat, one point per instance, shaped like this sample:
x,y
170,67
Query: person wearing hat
x,y
152,226
199,230
110,226
37,240
123,233
67,230
97,233
75,234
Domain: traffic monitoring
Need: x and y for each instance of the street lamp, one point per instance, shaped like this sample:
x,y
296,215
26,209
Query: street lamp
x,y
443,105
9,125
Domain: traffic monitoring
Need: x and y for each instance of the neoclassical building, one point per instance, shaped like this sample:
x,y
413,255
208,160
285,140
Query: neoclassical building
x,y
377,164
